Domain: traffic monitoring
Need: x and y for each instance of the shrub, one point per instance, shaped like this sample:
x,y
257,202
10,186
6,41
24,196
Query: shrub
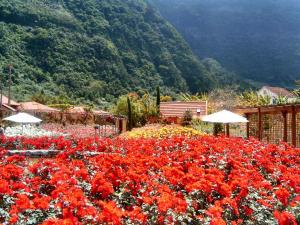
x,y
187,118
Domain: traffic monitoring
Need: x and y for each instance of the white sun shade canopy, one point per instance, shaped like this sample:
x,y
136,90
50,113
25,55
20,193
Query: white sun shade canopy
x,y
224,117
23,118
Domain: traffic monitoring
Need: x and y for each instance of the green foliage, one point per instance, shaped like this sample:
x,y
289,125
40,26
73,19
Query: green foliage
x,y
187,97
166,98
46,99
94,51
142,108
251,98
296,91
148,107
218,128
281,100
121,108
204,127
187,118
62,107
88,108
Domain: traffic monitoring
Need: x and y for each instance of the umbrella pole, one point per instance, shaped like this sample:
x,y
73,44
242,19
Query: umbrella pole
x,y
227,129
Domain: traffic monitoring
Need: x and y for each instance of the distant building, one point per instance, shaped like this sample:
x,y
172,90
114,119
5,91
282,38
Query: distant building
x,y
12,107
177,109
102,113
7,108
274,92
35,107
82,110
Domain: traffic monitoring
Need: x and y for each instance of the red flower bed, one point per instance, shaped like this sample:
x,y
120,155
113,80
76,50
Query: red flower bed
x,y
205,180
56,143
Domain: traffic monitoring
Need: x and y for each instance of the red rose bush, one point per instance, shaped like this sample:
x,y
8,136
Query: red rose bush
x,y
178,180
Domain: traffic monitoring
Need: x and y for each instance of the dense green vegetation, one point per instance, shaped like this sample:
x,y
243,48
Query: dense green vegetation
x,y
95,50
257,39
138,109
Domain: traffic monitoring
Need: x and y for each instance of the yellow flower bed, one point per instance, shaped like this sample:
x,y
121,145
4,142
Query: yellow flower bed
x,y
161,132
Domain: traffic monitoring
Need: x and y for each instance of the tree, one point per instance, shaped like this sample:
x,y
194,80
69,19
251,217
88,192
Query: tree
x,y
158,100
41,97
121,108
130,121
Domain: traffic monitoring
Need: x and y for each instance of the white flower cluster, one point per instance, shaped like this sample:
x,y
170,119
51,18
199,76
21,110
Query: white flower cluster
x,y
29,131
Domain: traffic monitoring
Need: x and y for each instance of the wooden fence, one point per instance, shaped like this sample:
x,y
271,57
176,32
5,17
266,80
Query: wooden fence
x,y
107,124
273,124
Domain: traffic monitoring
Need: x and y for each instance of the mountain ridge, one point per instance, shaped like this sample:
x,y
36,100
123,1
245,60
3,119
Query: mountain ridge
x,y
95,50
258,40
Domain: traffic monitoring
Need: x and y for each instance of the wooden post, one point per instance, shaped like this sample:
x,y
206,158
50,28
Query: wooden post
x,y
95,133
117,126
259,125
227,129
1,96
285,133
120,126
248,126
294,126
124,125
9,84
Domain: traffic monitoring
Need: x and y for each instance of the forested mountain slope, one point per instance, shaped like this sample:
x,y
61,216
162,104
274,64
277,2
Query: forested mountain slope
x,y
95,49
257,39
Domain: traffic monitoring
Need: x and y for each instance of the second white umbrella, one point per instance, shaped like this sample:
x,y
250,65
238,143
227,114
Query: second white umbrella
x,y
224,117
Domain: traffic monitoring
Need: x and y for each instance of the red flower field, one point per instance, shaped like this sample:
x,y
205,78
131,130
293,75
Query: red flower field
x,y
180,180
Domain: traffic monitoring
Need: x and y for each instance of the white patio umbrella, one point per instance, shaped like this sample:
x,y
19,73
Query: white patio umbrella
x,y
225,117
23,118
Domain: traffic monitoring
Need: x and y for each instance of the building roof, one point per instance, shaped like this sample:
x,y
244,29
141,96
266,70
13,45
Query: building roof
x,y
280,91
102,113
9,108
36,107
5,101
177,109
76,109
81,110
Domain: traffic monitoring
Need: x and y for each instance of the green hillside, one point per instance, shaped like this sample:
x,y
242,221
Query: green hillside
x,y
95,50
257,39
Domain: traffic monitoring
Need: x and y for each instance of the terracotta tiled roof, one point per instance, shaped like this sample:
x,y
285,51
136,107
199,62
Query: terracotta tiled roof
x,y
36,107
5,101
280,91
177,109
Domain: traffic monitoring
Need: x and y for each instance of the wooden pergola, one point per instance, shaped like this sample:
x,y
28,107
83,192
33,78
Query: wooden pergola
x,y
288,118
